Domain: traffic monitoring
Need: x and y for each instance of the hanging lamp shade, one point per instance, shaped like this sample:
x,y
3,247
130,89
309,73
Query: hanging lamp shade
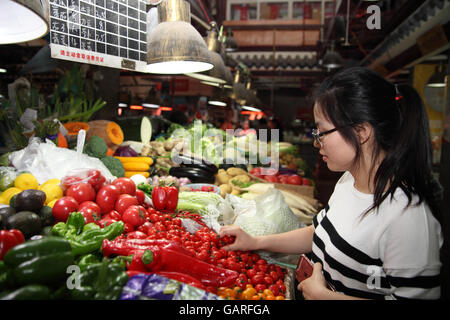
x,y
239,92
230,42
175,46
437,80
218,98
218,73
332,59
22,20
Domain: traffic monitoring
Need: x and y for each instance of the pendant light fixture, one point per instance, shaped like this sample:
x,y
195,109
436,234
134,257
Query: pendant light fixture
x,y
218,73
22,20
218,98
239,92
175,46
437,80
332,59
230,42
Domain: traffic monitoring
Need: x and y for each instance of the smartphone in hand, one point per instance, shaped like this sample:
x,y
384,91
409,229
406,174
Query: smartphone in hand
x,y
305,270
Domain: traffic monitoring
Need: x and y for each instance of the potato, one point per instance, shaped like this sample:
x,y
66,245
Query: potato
x,y
235,192
224,189
242,178
236,171
223,177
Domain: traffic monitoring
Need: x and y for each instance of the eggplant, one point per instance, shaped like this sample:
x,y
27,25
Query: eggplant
x,y
194,162
196,175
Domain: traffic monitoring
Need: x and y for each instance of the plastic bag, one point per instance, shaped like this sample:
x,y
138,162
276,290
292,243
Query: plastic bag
x,y
46,161
7,177
264,215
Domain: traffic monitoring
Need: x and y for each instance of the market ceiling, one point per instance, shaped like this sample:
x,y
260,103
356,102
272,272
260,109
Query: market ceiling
x,y
391,49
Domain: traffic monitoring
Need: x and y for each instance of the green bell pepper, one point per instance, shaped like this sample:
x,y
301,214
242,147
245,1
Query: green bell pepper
x,y
43,261
101,281
87,260
88,238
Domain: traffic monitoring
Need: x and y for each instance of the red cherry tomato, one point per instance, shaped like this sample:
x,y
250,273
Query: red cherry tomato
x,y
105,222
140,196
125,185
145,227
283,178
113,214
66,182
63,207
106,198
271,178
294,179
134,215
306,182
124,201
81,192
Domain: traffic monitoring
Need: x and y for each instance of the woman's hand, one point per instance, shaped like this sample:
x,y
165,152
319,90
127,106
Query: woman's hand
x,y
315,287
243,241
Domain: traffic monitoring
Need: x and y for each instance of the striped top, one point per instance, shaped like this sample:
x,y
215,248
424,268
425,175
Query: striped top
x,y
390,254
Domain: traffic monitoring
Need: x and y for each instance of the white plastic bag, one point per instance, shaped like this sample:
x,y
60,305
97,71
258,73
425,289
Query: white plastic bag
x,y
46,161
266,214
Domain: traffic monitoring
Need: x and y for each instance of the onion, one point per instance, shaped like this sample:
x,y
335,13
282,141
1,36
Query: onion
x,y
125,151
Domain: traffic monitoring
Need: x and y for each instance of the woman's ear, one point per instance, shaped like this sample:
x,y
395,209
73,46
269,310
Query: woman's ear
x,y
364,132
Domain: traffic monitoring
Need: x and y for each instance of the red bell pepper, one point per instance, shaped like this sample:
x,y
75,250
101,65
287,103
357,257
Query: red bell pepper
x,y
165,198
169,257
9,239
172,198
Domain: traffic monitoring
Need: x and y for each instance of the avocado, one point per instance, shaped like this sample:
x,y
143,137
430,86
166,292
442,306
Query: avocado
x,y
5,213
46,215
30,200
29,223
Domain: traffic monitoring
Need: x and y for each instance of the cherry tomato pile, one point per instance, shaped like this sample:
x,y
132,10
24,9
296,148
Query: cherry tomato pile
x,y
274,176
120,200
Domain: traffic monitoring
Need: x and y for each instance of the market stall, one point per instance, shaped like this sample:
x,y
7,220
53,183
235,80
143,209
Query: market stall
x,y
124,219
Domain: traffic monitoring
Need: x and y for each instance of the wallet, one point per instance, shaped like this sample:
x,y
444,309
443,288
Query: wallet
x,y
305,269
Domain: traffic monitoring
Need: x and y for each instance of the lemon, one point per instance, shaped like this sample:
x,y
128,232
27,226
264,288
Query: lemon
x,y
50,181
52,192
9,193
26,181
52,203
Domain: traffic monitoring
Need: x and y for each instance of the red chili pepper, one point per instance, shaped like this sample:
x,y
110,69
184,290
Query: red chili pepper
x,y
159,198
9,239
125,247
182,277
171,198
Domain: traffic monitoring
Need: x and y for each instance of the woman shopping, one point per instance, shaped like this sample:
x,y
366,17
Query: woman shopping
x,y
380,234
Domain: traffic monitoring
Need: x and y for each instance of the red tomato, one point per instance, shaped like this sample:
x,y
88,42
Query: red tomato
x,y
306,182
256,171
274,275
268,280
81,192
275,289
134,215
260,287
140,196
295,179
125,185
90,210
145,227
283,178
257,279
66,182
96,179
272,178
124,201
128,228
269,172
91,205
63,207
105,222
106,197
113,214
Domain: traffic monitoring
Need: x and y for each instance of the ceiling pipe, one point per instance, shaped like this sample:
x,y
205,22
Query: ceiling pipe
x,y
429,14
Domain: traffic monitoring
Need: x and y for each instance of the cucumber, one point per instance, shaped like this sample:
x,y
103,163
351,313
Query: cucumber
x,y
31,249
30,292
29,223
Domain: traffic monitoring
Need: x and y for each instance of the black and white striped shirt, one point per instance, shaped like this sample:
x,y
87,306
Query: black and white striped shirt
x,y
390,254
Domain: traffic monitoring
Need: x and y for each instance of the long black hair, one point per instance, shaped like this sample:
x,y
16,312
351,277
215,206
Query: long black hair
x,y
399,120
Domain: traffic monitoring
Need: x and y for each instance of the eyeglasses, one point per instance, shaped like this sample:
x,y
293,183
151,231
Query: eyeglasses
x,y
317,135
